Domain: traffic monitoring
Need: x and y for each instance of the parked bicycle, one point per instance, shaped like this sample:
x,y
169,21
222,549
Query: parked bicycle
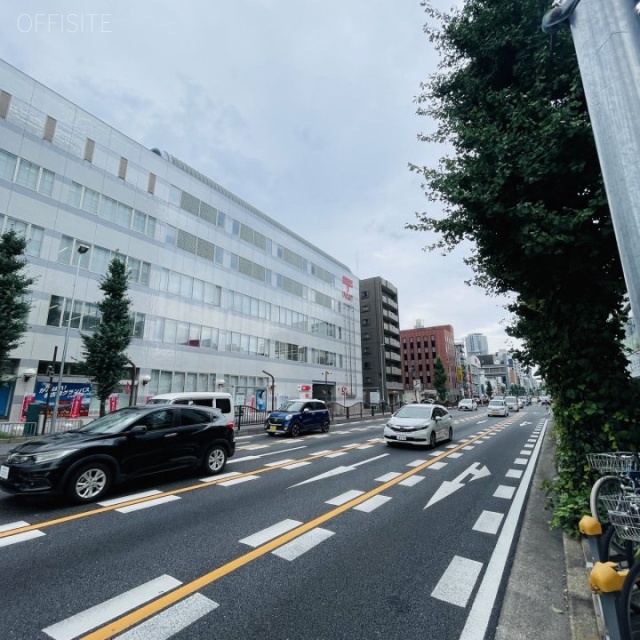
x,y
621,478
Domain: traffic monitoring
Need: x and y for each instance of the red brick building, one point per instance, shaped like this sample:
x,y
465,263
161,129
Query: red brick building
x,y
419,348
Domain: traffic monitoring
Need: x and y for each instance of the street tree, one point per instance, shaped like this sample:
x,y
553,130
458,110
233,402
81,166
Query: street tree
x,y
520,179
489,389
105,349
14,287
440,379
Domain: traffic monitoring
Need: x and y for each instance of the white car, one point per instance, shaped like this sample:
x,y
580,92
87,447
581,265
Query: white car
x,y
422,424
467,404
497,408
512,403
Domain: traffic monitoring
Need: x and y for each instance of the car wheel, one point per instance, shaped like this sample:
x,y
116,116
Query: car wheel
x,y
450,435
432,440
215,459
90,482
325,426
295,430
390,444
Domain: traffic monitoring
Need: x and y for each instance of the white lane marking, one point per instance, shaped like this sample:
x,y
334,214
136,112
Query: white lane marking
x,y
230,483
132,496
437,465
256,539
411,481
275,464
113,608
148,504
488,522
529,446
457,582
433,454
21,537
344,497
416,463
372,503
504,491
13,525
337,454
469,447
513,473
244,459
295,466
451,446
229,474
365,446
338,471
172,620
302,544
521,461
453,456
255,447
525,453
388,476
478,619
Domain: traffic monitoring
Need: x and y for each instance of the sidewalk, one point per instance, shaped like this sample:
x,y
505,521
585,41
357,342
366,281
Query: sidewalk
x,y
547,596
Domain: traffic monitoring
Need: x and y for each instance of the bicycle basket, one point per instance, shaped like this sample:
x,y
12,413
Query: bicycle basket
x,y
616,502
627,525
614,461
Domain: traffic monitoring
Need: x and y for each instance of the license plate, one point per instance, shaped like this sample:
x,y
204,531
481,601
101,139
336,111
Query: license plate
x,y
273,427
402,437
4,472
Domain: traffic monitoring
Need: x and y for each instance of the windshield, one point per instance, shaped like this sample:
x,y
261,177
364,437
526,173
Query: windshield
x,y
113,422
159,401
511,399
496,403
292,405
414,411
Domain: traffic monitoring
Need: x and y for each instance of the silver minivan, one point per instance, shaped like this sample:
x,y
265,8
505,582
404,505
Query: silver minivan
x,y
512,403
217,399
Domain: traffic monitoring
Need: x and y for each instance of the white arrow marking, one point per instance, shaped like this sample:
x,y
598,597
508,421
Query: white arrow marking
x,y
476,470
338,471
481,421
522,424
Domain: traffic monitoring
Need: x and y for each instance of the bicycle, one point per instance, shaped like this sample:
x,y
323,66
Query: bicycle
x,y
623,479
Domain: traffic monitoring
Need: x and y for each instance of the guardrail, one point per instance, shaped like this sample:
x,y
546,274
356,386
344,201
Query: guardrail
x,y
22,429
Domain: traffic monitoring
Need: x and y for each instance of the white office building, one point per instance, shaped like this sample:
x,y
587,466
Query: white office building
x,y
224,297
476,344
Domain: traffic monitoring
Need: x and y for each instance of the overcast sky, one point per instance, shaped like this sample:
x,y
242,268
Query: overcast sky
x,y
304,109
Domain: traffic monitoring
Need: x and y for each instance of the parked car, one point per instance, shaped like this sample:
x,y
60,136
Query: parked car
x,y
512,403
467,404
297,416
218,399
497,408
419,424
129,443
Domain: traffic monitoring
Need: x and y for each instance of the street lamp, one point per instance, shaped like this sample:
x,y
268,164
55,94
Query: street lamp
x,y
382,372
326,388
82,249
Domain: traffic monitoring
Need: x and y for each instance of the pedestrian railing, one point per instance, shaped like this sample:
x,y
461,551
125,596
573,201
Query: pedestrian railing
x,y
17,429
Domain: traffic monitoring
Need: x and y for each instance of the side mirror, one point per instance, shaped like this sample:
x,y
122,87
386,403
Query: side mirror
x,y
306,410
139,429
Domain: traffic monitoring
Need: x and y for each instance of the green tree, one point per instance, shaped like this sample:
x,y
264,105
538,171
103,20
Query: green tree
x,y
105,349
440,379
14,286
522,183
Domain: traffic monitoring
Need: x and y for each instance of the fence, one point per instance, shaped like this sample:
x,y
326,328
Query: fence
x,y
22,429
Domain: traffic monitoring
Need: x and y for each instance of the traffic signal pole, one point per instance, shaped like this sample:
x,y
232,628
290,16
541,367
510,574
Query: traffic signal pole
x,y
606,37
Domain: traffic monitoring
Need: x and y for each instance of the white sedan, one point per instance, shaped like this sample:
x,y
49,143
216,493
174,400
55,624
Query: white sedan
x,y
497,408
422,424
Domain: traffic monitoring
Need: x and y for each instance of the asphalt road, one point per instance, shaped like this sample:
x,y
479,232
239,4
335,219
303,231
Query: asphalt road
x,y
320,537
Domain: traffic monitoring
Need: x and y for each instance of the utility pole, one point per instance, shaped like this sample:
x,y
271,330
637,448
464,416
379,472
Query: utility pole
x,y
606,37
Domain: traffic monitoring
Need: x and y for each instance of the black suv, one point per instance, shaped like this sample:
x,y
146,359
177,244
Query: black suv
x,y
128,443
296,416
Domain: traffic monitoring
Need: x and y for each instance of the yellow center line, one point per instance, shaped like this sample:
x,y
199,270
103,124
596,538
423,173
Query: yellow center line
x,y
152,608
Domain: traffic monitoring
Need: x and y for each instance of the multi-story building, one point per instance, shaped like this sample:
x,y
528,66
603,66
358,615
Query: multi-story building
x,y
476,344
420,347
223,296
380,333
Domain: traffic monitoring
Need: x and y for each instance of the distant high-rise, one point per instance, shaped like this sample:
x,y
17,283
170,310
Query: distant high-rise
x,y
476,344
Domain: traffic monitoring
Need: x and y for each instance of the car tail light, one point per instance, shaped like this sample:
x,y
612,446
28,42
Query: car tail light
x,y
230,425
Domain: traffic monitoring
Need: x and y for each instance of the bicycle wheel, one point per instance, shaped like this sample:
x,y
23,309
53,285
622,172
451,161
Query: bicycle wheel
x,y
603,488
613,548
629,605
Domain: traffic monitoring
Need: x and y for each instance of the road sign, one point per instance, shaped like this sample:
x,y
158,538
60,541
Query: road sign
x,y
344,390
304,387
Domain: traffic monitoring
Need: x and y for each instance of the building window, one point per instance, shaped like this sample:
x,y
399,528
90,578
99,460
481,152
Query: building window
x,y
151,183
5,102
122,168
364,294
7,165
89,148
49,128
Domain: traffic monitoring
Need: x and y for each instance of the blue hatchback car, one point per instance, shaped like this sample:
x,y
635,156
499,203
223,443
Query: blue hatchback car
x,y
297,416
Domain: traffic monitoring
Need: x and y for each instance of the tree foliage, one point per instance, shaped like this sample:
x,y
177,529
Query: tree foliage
x,y
523,184
440,379
105,349
14,285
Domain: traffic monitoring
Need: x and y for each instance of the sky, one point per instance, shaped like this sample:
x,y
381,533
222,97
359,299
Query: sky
x,y
303,109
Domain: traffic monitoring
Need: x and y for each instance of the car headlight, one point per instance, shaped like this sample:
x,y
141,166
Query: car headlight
x,y
288,416
37,458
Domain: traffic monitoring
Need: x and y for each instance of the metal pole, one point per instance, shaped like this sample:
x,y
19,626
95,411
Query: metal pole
x,y
273,389
382,372
82,249
606,37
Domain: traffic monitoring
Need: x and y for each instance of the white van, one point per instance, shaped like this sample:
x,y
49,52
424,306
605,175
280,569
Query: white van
x,y
217,399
